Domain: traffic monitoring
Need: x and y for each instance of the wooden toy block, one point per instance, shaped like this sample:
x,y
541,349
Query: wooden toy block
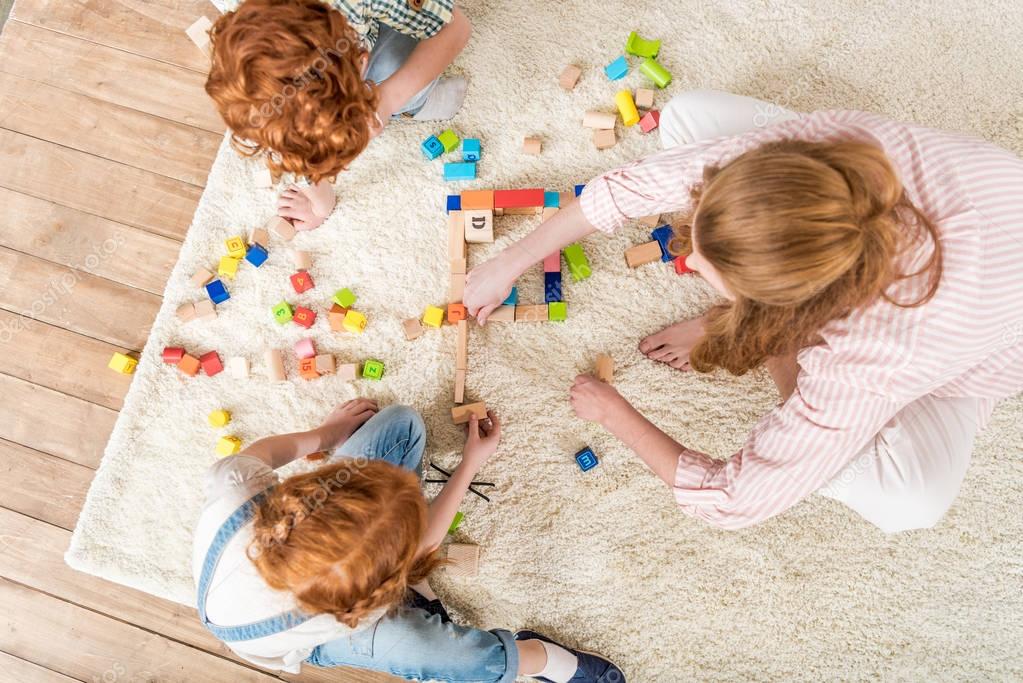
x,y
211,363
477,199
302,282
531,313
264,179
456,312
520,211
347,372
552,287
238,367
512,298
650,120
454,203
578,264
605,371
664,235
372,369
604,139
599,120
281,227
354,322
551,199
462,346
304,348
345,298
217,292
456,522
228,445
303,260
448,139
552,263
304,317
557,311
432,147
655,72
283,313
256,254
456,287
274,365
627,108
514,199
459,266
644,98
307,368
173,354
459,386
460,170
617,69
463,560
479,225
502,314
201,277
235,247
565,198
228,267
260,236
680,266
460,414
641,47
186,312
413,328
336,317
471,150
642,254
433,317
199,33
650,221
325,364
456,236
189,365
579,189
586,459
218,418
532,146
569,77
204,310
122,363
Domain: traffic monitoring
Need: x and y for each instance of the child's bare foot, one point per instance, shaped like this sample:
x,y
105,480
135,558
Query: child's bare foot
x,y
673,344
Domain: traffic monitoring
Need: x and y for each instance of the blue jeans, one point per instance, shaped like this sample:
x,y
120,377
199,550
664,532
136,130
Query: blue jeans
x,y
410,642
391,50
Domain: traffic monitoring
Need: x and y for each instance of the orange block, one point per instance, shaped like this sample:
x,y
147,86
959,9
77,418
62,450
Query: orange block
x,y
477,199
456,312
307,368
189,365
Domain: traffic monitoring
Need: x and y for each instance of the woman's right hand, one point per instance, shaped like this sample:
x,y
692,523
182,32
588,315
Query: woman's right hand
x,y
487,286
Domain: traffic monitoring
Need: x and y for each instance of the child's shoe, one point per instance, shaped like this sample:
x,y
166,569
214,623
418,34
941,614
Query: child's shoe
x,y
589,667
444,101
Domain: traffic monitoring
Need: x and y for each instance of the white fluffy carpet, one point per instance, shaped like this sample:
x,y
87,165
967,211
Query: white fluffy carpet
x,y
601,559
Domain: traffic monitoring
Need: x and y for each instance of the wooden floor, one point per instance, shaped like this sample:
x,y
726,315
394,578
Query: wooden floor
x,y
106,137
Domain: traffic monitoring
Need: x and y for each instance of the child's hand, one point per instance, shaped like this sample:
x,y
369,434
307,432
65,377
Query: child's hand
x,y
482,440
345,419
306,208
595,401
486,287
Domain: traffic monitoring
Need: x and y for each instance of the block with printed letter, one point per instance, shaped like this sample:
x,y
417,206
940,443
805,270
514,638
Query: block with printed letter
x,y
479,225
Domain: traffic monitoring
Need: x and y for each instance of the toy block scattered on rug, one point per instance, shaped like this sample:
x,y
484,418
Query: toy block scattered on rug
x,y
211,363
325,364
557,311
281,227
204,310
172,354
641,47
201,277
307,369
275,365
552,263
471,149
238,367
199,34
532,146
228,267
306,317
680,266
604,139
578,264
479,225
336,317
456,522
218,418
463,560
259,236
643,254
189,365
586,459
123,363
456,313
569,77
345,298
235,247
512,298
413,328
256,254
460,414
448,140
302,282
460,170
372,369
432,147
304,348
644,98
650,121
283,313
531,313
663,235
627,108
354,322
217,292
617,69
303,259
655,72
347,372
433,316
599,120
650,221
605,371
228,445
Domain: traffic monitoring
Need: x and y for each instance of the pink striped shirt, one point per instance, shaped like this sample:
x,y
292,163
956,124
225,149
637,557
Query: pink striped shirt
x,y
967,341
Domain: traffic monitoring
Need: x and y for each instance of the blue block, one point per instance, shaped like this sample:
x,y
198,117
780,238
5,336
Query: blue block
x,y
551,287
579,190
586,459
460,170
663,235
471,149
513,298
432,147
256,255
551,199
217,292
454,202
617,69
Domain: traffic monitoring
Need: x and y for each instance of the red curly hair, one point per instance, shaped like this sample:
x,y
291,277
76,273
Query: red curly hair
x,y
287,79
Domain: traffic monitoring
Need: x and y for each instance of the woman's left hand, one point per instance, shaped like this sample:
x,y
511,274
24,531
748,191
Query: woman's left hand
x,y
596,401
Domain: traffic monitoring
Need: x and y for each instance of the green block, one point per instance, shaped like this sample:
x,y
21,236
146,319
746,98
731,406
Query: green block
x,y
344,298
449,140
557,311
456,522
372,369
641,47
577,262
655,72
282,313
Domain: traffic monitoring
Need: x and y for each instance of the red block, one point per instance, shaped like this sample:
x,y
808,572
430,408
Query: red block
x,y
302,281
303,317
173,354
680,265
518,199
210,363
650,121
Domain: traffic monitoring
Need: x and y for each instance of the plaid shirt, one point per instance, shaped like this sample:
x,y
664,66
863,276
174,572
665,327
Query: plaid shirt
x,y
420,19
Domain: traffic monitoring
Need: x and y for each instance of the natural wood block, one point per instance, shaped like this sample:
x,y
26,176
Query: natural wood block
x,y
569,76
238,367
459,265
274,365
605,368
548,212
456,288
201,277
531,313
502,314
259,236
604,139
456,236
650,221
325,364
336,317
413,328
532,146
205,310
186,312
477,199
199,33
460,414
303,260
642,254
479,226
281,228
601,120
459,386
462,346
565,198
464,560
264,179
348,371
644,98
523,211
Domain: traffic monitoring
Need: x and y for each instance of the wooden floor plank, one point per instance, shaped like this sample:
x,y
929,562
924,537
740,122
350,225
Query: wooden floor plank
x,y
152,28
26,672
94,185
42,486
61,360
76,300
108,74
107,130
82,241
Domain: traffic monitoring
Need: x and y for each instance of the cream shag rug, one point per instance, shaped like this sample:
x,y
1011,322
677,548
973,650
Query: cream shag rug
x,y
600,559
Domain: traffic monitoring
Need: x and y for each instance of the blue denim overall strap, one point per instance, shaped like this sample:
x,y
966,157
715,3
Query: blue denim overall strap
x,y
256,629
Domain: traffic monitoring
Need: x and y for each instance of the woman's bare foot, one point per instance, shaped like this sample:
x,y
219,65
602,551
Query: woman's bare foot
x,y
673,344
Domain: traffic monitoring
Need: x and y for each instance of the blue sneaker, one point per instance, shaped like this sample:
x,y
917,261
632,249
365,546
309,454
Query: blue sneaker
x,y
592,667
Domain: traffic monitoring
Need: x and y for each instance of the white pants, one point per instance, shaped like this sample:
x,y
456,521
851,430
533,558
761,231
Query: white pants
x,y
909,474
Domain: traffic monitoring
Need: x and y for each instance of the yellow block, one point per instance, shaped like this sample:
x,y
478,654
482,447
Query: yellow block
x,y
627,107
228,445
354,322
434,317
235,247
228,267
123,364
218,418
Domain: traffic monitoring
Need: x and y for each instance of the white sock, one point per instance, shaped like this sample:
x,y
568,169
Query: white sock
x,y
444,101
561,664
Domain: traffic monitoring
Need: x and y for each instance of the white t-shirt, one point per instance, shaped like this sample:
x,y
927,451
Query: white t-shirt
x,y
238,595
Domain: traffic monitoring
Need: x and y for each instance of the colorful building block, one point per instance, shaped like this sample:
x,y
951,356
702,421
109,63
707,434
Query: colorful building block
x,y
413,328
569,76
173,354
302,281
650,121
627,108
256,254
456,522
517,199
664,235
513,297
532,146
460,170
578,264
579,189
228,445
551,199
655,72
345,298
680,266
372,369
586,459
617,69
557,311
211,363
641,47
228,267
552,287
303,316
217,292
454,203
189,365
354,322
307,368
552,263
432,147
325,364
457,312
477,199
336,317
218,418
235,247
448,139
123,363
304,348
282,312
471,149
434,316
